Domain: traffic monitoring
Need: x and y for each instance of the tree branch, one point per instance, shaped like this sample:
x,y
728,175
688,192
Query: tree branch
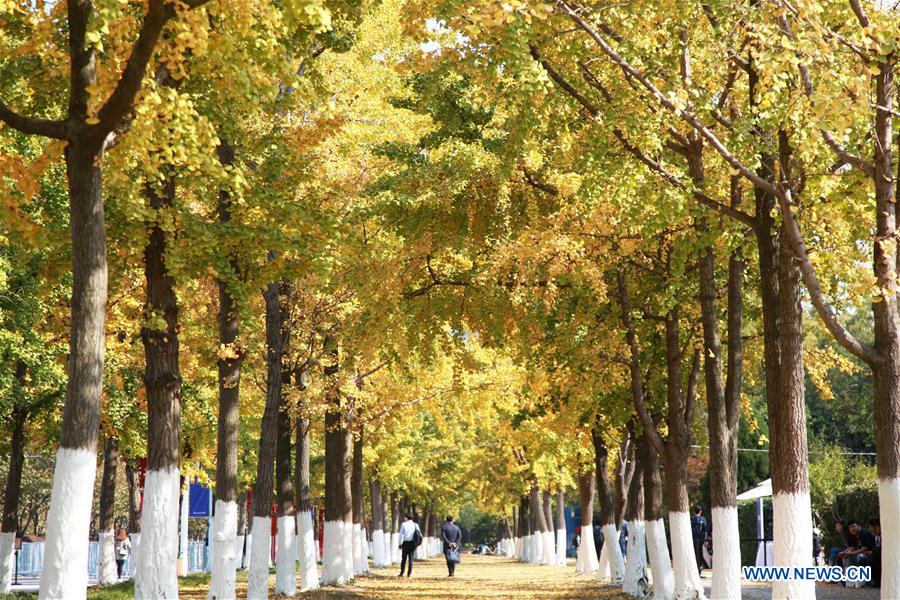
x,y
50,129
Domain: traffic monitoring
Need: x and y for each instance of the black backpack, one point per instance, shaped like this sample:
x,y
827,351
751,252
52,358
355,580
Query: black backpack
x,y
698,527
417,538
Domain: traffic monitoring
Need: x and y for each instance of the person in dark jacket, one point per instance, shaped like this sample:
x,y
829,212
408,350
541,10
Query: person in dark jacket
x,y
451,536
699,533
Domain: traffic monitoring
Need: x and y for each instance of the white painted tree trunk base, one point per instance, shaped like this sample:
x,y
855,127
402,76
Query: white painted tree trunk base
x,y
519,550
378,549
548,550
286,556
65,548
333,571
534,548
726,573
7,560
157,574
306,552
363,551
635,582
388,551
223,570
560,547
358,554
258,571
687,577
348,543
107,573
660,563
889,502
603,560
792,530
135,550
614,554
395,547
586,558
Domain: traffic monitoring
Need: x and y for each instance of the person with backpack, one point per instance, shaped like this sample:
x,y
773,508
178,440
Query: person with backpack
x,y
451,536
410,539
699,533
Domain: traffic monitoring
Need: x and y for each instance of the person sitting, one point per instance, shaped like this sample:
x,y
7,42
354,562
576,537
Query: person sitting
x,y
859,541
841,530
873,557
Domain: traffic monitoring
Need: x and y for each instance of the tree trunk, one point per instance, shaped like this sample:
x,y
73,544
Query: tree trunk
x,y
561,527
624,472
378,525
306,548
524,531
10,523
549,549
586,561
358,499
657,548
611,562
107,573
635,582
157,575
231,357
263,496
723,413
65,556
134,499
395,528
286,542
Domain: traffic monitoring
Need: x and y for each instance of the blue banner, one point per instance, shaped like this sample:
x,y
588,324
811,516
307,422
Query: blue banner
x,y
199,502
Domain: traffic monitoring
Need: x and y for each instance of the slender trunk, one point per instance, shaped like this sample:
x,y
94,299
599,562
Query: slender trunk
x,y
549,550
635,581
134,499
561,527
65,555
286,542
611,562
378,523
358,500
263,496
587,560
657,548
157,575
395,528
231,356
385,511
524,531
107,573
624,472
723,413
10,523
306,543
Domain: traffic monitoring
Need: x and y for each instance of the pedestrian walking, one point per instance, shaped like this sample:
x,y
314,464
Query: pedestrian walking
x,y
451,535
122,549
699,533
410,538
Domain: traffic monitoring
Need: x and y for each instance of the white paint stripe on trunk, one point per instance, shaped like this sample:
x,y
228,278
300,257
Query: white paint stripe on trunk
x,y
332,554
157,575
586,557
378,548
395,547
135,548
560,547
306,552
616,560
7,559
65,549
726,574
388,551
357,551
548,550
889,502
258,572
347,545
107,573
223,570
687,576
603,560
792,528
635,582
660,563
286,556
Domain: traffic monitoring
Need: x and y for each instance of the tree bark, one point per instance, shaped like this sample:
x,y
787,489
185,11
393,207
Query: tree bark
x,y
9,528
107,573
587,560
286,542
157,577
358,499
134,499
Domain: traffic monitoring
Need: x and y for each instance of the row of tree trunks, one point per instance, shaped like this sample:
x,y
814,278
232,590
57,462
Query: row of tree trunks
x,y
611,563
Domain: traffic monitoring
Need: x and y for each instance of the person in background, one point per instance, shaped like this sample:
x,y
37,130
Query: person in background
x,y
859,542
623,537
841,530
873,557
451,536
122,550
699,532
409,530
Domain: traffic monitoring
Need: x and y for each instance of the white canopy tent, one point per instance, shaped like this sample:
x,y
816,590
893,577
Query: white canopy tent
x,y
764,549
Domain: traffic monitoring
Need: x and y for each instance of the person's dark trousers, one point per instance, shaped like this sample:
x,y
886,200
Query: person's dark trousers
x,y
120,563
451,566
874,561
698,553
407,549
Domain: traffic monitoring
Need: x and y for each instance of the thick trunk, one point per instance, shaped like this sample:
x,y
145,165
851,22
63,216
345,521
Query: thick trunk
x,y
107,573
657,548
231,355
157,575
65,553
10,524
611,562
263,496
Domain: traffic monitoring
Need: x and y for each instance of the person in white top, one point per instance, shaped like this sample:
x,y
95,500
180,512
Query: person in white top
x,y
410,538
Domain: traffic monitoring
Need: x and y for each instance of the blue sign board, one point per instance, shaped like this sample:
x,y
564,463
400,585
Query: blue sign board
x,y
200,501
